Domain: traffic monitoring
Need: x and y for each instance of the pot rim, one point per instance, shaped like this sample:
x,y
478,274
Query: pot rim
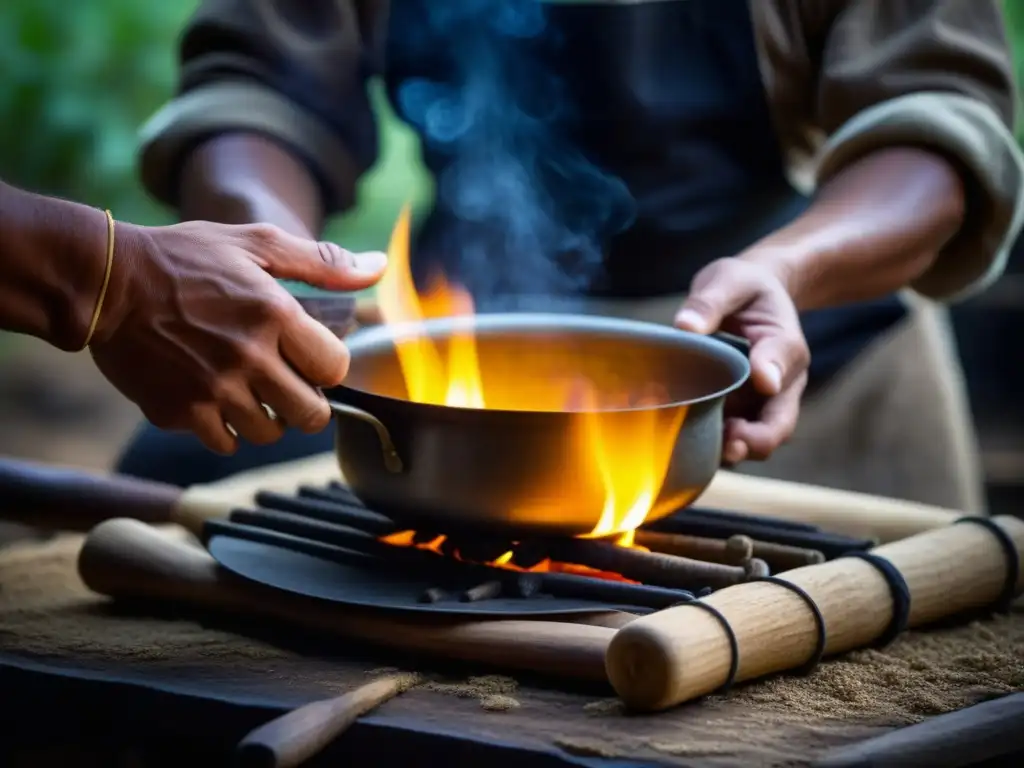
x,y
369,337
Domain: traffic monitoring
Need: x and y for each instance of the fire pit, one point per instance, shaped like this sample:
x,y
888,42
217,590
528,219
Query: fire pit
x,y
325,543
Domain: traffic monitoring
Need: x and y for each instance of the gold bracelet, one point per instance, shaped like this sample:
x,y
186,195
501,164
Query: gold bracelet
x,y
106,280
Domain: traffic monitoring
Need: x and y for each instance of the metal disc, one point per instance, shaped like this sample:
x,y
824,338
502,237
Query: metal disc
x,y
309,576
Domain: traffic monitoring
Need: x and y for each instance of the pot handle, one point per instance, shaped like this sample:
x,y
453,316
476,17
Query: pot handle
x,y
392,460
738,343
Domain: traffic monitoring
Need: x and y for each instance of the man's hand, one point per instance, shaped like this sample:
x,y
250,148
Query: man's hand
x,y
197,331
749,299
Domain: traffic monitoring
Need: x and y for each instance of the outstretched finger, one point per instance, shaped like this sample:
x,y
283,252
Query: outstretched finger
x,y
719,290
317,263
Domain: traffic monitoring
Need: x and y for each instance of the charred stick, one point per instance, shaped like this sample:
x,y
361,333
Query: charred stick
x,y
830,545
569,585
735,550
479,549
348,546
289,542
652,568
338,492
328,512
784,558
486,591
736,517
756,568
433,595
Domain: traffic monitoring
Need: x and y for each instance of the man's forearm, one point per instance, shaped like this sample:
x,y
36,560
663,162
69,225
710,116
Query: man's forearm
x,y
873,229
244,178
52,256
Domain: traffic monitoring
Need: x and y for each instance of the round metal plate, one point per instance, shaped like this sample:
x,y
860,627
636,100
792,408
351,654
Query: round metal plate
x,y
309,576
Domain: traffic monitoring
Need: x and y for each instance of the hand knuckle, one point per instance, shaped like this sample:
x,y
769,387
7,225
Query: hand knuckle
x,y
333,255
312,417
279,307
263,235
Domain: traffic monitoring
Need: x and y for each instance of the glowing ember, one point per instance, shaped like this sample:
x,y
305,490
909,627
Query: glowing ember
x,y
629,456
408,539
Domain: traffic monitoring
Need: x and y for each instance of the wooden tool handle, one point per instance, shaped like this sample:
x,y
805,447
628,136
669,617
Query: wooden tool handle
x,y
853,514
292,739
680,653
63,498
127,559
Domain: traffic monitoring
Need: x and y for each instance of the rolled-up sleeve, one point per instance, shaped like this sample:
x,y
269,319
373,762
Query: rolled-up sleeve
x,y
936,74
294,72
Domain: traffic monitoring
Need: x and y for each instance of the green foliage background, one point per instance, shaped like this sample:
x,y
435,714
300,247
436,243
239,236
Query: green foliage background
x,y
80,77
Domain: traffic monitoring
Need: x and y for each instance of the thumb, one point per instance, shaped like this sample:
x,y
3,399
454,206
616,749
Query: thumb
x,y
319,263
716,296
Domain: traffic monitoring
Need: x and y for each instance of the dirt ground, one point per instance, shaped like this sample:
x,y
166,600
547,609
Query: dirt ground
x,y
56,407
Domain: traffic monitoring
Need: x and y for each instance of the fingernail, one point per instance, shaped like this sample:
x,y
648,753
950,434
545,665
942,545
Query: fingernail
x,y
691,321
369,262
773,373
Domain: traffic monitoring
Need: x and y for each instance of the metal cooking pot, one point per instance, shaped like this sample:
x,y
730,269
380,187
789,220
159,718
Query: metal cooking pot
x,y
447,468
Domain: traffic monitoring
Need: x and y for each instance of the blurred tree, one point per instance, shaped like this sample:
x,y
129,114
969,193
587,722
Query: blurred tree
x,y
79,80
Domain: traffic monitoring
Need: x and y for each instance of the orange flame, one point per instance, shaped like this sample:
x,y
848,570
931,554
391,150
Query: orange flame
x,y
629,455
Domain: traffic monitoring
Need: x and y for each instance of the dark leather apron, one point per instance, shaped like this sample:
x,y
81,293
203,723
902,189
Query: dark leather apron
x,y
597,149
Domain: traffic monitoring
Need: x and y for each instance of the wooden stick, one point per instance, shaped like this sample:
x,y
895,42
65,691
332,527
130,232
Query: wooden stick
x,y
653,568
292,739
130,560
681,653
735,550
783,558
851,514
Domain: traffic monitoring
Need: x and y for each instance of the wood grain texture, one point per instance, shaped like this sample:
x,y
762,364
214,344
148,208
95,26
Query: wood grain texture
x,y
681,653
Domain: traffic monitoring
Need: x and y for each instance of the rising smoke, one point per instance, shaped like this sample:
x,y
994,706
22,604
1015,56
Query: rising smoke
x,y
537,209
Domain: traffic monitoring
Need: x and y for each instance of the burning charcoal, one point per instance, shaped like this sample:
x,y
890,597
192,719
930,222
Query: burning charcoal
x,y
408,559
527,554
736,550
423,537
329,512
433,595
486,591
652,568
830,545
480,549
783,558
571,586
448,548
736,517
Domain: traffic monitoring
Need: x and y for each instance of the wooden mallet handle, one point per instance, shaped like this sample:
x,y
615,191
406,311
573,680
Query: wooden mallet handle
x,y
859,515
131,560
678,654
